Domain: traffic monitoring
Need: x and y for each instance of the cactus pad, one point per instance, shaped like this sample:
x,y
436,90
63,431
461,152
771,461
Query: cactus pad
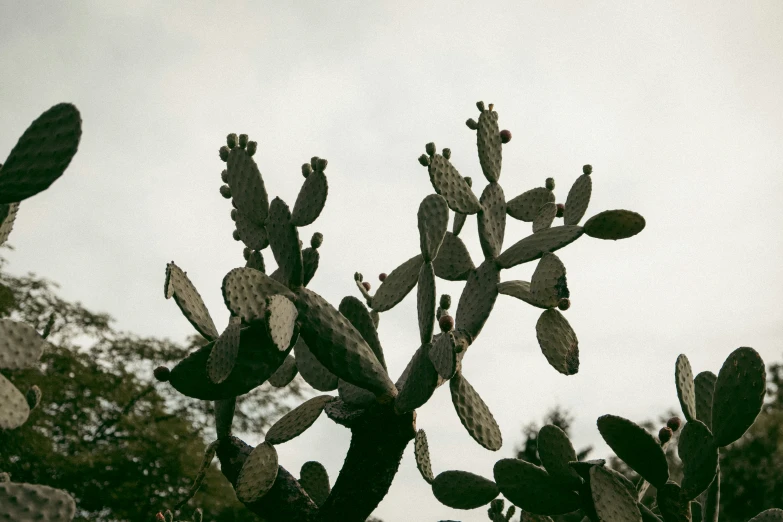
x,y
337,344
419,382
284,241
224,352
636,447
256,261
489,144
614,224
313,372
534,246
353,395
245,291
546,215
253,235
311,199
189,301
518,289
558,342
397,284
285,374
258,473
478,298
532,489
42,153
611,499
463,490
459,222
453,262
555,451
686,393
448,183
443,355
257,360
492,220
421,451
426,302
8,213
769,515
739,395
296,421
247,186
21,502
674,507
20,345
358,315
474,414
310,260
14,409
281,317
699,457
526,206
704,384
578,199
433,218
342,413
315,481
548,284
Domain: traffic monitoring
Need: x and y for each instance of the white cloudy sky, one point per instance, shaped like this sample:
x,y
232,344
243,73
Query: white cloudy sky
x,y
676,105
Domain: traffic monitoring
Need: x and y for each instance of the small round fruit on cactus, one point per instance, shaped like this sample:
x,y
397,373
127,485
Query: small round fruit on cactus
x,y
505,136
587,169
224,151
665,435
366,285
252,147
317,240
231,140
225,191
445,301
446,323
162,373
307,169
382,277
564,304
550,183
674,423
560,210
243,140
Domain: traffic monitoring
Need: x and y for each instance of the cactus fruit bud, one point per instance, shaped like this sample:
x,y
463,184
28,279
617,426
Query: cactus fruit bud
x,y
446,323
234,214
560,210
445,301
320,165
480,105
231,140
243,140
471,123
162,373
424,160
198,515
674,423
505,136
496,506
252,147
159,517
317,240
446,153
564,304
235,235
224,153
224,176
246,253
33,396
366,285
491,106
469,181
665,435
357,276
550,183
430,148
382,277
307,169
225,191
587,169
314,161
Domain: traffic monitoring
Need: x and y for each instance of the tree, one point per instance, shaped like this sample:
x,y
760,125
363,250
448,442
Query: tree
x,y
122,446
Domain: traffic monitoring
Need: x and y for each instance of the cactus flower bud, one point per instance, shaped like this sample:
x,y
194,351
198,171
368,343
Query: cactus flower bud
x,y
424,160
382,277
224,151
243,140
236,236
320,165
550,183
225,191
471,123
505,136
224,176
161,373
314,161
307,169
587,169
564,304
317,240
446,323
246,253
560,210
446,153
674,423
469,181
430,148
480,105
252,147
665,435
366,285
445,301
231,140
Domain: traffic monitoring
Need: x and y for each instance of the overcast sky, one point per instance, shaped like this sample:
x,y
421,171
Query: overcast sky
x,y
676,105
